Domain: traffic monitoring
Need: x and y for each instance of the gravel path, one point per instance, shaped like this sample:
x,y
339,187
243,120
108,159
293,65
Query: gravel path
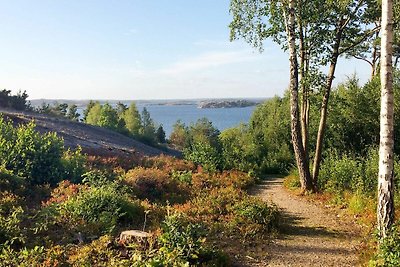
x,y
311,235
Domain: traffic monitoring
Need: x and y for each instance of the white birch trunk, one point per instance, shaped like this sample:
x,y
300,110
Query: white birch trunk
x,y
385,210
304,172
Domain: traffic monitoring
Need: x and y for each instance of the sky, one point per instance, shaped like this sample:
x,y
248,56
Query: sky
x,y
137,49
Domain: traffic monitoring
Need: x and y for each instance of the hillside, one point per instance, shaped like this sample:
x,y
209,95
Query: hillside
x,y
92,139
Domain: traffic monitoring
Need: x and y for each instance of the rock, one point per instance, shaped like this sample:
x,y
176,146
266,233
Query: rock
x,y
134,236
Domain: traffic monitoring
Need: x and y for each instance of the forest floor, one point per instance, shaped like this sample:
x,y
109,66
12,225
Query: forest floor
x,y
311,235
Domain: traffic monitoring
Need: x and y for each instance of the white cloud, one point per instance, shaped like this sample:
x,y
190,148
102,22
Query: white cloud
x,y
209,60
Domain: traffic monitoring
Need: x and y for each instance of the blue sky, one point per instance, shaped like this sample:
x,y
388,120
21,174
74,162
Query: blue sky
x,y
137,49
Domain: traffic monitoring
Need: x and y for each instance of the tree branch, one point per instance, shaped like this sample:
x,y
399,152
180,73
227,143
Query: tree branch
x,y
360,40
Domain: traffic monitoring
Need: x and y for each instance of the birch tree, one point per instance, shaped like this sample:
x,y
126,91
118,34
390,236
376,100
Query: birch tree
x,y
325,30
385,210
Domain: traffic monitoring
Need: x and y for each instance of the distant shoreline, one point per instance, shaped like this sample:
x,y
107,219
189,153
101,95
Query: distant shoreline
x,y
200,103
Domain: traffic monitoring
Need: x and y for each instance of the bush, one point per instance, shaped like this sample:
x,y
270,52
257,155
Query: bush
x,y
340,173
97,253
255,217
73,163
169,164
11,232
39,158
205,155
37,256
389,250
10,182
182,239
236,179
156,186
103,207
212,206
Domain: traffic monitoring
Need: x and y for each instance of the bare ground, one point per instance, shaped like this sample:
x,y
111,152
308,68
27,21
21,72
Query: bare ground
x,y
311,235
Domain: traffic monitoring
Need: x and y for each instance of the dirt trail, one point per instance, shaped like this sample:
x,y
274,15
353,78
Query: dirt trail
x,y
311,236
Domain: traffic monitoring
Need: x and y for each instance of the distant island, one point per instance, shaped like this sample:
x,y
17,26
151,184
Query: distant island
x,y
226,104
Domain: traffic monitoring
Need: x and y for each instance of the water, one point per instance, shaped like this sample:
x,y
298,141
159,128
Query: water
x,y
222,118
167,115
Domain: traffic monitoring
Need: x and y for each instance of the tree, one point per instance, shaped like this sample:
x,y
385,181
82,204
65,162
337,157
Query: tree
x,y
148,128
132,120
315,33
108,117
385,209
60,109
72,112
179,135
160,135
93,113
88,108
250,20
204,146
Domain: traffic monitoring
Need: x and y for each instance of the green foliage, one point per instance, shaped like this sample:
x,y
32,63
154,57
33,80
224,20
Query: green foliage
x,y
73,163
182,176
160,135
103,206
205,155
182,239
11,232
93,113
339,173
148,130
18,101
37,256
255,216
264,145
9,181
108,117
132,120
388,254
98,253
238,150
204,146
29,154
72,112
179,136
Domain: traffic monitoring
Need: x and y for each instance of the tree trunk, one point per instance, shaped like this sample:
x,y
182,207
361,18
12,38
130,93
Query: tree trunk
x,y
304,92
375,57
324,106
304,172
385,209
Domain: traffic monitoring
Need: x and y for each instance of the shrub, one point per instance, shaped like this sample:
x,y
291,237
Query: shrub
x,y
10,182
63,192
37,256
388,254
339,173
205,155
73,163
156,185
97,253
254,217
169,164
213,205
182,239
39,158
237,179
11,232
103,207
